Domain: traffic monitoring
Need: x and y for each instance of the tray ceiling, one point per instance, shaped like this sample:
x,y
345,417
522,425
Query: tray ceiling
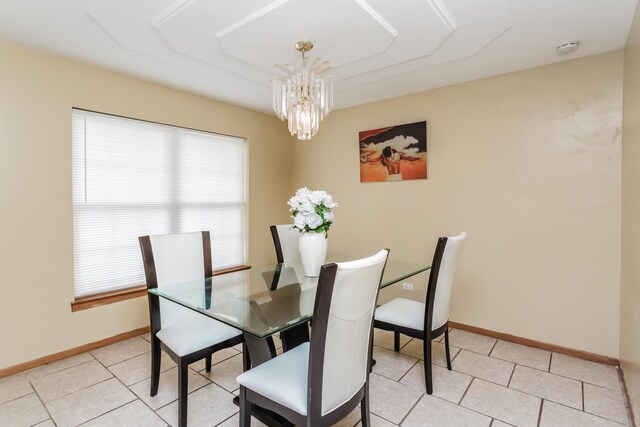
x,y
378,48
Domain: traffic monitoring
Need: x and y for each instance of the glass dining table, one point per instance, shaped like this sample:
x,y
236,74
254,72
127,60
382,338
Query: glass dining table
x,y
263,301
266,300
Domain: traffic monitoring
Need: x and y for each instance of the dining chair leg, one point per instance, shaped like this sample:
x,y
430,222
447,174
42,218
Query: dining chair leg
x,y
183,389
427,364
364,407
446,348
245,413
156,354
207,363
396,341
246,361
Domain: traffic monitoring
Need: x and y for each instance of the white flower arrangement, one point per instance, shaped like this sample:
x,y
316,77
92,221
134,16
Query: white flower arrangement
x,y
311,210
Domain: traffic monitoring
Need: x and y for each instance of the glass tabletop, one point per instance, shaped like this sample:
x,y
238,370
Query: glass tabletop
x,y
265,300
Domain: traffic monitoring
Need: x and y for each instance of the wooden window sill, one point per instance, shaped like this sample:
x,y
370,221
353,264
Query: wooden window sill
x,y
136,291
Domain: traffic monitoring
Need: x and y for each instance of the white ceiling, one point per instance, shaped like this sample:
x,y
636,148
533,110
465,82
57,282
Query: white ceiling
x,y
378,48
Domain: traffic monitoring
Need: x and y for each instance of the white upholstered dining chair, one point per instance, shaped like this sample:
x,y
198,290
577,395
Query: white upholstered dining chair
x,y
429,320
320,382
285,242
184,334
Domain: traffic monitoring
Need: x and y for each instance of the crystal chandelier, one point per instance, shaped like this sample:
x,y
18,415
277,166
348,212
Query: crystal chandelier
x,y
305,96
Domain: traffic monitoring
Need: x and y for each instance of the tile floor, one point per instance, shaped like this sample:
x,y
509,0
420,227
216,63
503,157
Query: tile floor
x,y
493,383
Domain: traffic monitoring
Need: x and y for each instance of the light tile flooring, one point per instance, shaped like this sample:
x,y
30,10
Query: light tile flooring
x,y
493,383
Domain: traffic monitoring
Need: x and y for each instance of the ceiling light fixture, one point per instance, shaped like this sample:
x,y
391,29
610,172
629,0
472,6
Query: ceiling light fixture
x,y
567,48
305,96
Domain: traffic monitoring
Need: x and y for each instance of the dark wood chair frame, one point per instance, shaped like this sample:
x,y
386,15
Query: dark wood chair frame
x,y
426,335
276,244
302,334
314,416
156,345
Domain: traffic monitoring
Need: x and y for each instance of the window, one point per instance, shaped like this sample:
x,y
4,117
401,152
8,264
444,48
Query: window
x,y
133,178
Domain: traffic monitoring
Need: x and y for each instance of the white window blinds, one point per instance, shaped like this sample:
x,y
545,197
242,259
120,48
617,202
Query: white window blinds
x,y
134,178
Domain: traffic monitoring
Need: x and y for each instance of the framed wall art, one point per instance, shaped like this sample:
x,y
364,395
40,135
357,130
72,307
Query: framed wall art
x,y
394,153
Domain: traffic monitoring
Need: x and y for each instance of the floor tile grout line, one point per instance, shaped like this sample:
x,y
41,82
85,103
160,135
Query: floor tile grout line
x,y
585,382
136,398
382,418
145,379
481,354
511,376
422,358
454,356
529,367
113,409
405,344
606,418
175,367
516,362
551,373
545,398
390,350
499,420
204,385
472,351
136,395
584,412
19,397
466,390
465,407
472,375
421,397
500,385
123,360
42,403
176,398
408,370
493,347
227,419
590,362
220,385
115,344
484,379
65,369
150,408
108,412
222,360
540,412
80,389
411,409
560,375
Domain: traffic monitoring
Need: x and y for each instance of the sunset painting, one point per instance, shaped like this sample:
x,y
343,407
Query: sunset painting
x,y
395,153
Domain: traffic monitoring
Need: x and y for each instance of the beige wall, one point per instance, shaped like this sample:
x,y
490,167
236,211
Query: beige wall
x,y
630,285
528,164
37,92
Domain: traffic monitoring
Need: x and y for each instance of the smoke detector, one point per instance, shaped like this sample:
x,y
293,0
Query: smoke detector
x,y
567,48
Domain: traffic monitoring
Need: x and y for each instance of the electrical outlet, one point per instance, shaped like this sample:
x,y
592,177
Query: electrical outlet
x,y
407,286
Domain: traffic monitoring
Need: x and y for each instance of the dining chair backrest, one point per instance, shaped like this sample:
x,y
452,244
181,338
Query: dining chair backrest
x,y
175,258
285,241
441,279
342,330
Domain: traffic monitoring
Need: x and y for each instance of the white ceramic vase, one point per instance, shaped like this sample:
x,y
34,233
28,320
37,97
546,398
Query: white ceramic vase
x,y
313,252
